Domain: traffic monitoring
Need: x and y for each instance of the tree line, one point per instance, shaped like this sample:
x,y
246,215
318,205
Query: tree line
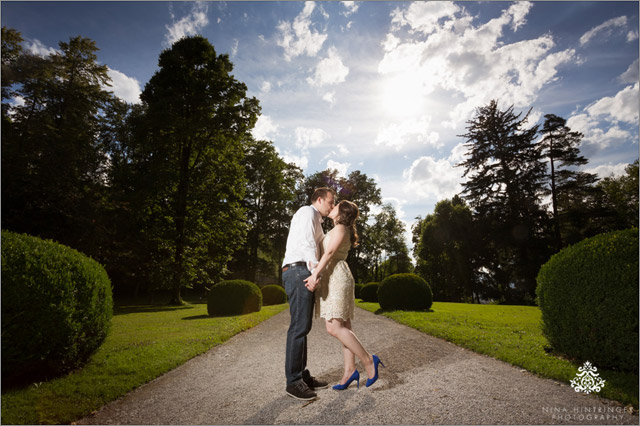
x,y
524,199
170,193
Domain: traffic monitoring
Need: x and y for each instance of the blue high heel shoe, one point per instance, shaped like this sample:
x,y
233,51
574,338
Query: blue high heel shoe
x,y
372,380
354,376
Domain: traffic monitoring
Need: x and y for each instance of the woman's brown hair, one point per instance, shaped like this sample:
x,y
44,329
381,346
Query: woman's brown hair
x,y
347,215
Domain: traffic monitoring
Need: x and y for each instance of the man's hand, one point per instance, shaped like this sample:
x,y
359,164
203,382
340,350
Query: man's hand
x,y
311,283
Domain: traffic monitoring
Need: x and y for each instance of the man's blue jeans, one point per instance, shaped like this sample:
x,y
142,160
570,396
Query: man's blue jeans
x,y
301,302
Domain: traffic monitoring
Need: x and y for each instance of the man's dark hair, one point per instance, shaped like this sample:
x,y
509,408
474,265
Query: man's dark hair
x,y
321,193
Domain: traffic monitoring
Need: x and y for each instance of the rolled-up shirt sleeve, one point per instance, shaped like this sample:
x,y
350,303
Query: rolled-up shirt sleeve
x,y
305,235
310,237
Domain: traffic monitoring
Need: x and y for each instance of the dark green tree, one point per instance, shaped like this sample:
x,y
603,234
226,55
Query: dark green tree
x,y
620,199
53,165
504,186
567,185
195,117
270,189
446,249
386,245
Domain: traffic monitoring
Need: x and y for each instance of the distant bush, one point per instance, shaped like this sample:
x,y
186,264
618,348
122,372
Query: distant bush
x,y
273,295
405,292
234,297
56,307
369,292
357,291
588,295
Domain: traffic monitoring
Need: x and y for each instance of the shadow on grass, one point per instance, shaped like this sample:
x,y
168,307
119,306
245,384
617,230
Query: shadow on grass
x,y
138,309
197,317
381,311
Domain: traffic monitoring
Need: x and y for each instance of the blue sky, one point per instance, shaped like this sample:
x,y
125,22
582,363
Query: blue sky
x,y
383,87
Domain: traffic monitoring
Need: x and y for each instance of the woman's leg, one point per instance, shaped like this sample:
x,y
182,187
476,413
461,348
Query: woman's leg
x,y
349,359
337,328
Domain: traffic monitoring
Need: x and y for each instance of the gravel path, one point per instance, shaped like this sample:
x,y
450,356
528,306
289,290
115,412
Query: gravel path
x,y
427,381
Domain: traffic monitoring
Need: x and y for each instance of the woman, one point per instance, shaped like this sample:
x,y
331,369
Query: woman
x,y
335,294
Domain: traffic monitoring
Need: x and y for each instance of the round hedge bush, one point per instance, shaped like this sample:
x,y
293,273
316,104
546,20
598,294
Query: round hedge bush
x,y
406,292
56,307
273,295
369,292
357,291
588,295
234,297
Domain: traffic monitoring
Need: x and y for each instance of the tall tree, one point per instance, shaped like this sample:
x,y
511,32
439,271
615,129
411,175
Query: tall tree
x,y
386,244
446,248
505,178
620,199
271,184
53,166
559,145
196,116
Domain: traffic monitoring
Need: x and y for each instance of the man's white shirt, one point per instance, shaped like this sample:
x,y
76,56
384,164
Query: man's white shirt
x,y
305,237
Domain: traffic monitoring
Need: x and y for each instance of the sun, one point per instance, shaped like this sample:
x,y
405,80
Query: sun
x,y
402,94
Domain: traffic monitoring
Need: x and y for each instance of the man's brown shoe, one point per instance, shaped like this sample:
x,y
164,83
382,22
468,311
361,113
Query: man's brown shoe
x,y
300,390
315,384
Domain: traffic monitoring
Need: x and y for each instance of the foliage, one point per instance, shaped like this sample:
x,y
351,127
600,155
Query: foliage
x,y
53,164
357,291
567,186
405,291
446,248
273,295
386,245
588,294
369,292
234,297
620,199
505,181
145,341
56,307
268,202
510,333
183,162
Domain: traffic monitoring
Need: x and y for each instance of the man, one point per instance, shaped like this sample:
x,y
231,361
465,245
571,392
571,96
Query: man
x,y
301,255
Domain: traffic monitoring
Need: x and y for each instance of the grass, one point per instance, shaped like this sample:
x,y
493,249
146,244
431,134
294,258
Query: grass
x,y
509,333
144,342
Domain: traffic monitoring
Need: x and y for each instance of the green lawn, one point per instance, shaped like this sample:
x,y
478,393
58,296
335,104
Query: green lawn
x,y
143,343
510,333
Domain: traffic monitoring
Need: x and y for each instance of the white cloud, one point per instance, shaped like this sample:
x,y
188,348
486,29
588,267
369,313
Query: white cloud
x,y
410,131
299,160
603,30
124,87
330,70
234,48
631,74
447,51
632,36
37,48
431,178
330,97
622,107
594,131
607,170
343,149
266,87
265,128
309,138
298,38
351,6
340,167
189,25
458,154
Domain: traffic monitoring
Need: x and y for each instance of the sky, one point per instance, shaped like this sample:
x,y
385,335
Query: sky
x,y
383,87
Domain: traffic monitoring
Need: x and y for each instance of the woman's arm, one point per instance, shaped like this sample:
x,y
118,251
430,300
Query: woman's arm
x,y
337,235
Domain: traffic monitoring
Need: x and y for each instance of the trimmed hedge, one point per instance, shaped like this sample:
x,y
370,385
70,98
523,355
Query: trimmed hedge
x,y
56,308
273,295
588,295
369,292
234,297
405,292
357,290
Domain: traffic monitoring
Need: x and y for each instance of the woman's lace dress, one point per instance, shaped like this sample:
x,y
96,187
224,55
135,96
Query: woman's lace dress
x,y
335,294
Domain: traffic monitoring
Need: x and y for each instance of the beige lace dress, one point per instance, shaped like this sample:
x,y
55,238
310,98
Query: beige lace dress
x,y
335,294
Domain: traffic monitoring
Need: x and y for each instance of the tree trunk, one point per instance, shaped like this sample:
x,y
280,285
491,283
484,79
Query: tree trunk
x,y
180,218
